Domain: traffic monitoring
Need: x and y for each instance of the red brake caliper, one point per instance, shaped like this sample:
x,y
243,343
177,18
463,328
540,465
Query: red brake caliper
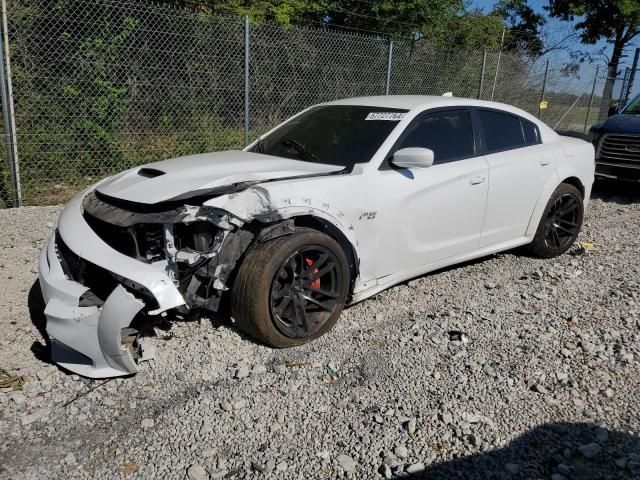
x,y
316,283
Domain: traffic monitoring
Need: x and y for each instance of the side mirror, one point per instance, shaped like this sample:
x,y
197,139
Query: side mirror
x,y
413,157
613,110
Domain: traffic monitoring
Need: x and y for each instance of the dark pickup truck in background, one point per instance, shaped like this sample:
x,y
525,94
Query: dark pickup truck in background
x,y
617,144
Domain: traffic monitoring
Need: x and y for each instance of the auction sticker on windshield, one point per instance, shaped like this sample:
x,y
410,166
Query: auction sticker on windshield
x,y
393,116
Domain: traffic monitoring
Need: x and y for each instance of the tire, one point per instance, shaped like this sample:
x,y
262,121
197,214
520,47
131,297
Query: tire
x,y
281,272
557,231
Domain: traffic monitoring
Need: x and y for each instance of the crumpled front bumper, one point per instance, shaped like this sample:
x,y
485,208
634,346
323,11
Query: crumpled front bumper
x,y
87,339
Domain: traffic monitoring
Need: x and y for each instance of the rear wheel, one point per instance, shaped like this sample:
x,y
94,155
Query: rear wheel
x,y
560,223
292,289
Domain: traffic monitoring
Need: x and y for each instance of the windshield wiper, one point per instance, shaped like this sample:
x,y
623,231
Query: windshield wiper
x,y
259,146
301,149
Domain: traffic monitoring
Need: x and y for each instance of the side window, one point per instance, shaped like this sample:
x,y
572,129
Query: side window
x,y
501,130
531,132
448,134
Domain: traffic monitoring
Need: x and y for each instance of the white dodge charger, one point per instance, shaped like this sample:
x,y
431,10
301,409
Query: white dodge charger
x,y
334,205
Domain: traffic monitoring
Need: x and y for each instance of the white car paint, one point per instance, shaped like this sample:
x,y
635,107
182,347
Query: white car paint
x,y
203,173
517,184
397,224
422,208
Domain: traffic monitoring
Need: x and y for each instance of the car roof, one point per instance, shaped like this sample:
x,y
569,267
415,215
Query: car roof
x,y
410,102
423,102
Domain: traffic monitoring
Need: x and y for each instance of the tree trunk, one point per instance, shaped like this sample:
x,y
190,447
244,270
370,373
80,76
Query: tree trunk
x,y
612,73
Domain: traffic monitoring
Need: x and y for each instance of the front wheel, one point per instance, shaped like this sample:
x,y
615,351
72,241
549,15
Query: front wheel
x,y
560,223
292,289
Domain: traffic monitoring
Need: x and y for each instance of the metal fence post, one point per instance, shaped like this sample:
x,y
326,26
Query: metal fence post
x,y
632,75
495,78
544,89
593,91
247,85
8,113
624,87
389,60
484,64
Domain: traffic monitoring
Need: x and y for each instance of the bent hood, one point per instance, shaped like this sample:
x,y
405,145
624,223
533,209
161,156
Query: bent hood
x,y
194,175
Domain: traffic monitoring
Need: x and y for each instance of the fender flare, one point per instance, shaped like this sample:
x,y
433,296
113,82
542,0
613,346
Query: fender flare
x,y
255,204
554,181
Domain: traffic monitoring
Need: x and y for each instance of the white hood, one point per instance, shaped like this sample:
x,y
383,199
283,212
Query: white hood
x,y
192,175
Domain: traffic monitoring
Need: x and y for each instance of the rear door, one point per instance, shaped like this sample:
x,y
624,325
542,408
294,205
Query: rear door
x,y
519,167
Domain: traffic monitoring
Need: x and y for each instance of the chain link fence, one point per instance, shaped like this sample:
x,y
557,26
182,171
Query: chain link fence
x,y
101,86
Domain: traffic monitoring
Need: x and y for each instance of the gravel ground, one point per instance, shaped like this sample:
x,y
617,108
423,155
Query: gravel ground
x,y
509,367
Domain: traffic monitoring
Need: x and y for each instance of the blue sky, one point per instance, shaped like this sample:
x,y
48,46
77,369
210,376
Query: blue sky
x,y
556,26
557,30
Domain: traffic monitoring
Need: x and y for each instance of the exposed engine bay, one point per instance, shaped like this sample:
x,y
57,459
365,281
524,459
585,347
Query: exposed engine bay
x,y
197,246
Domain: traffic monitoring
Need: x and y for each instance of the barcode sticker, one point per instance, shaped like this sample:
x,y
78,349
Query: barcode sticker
x,y
390,116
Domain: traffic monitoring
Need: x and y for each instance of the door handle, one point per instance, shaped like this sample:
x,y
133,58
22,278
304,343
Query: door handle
x,y
545,161
477,180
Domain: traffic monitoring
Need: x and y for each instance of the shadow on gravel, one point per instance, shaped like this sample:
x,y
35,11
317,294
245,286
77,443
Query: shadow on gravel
x,y
571,450
613,191
36,306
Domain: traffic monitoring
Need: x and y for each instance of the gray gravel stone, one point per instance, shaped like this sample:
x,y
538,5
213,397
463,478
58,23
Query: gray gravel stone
x,y
602,434
446,418
442,368
346,462
385,471
415,468
197,472
242,372
512,468
590,450
401,451
411,426
147,423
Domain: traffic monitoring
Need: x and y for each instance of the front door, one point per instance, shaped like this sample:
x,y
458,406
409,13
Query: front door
x,y
427,215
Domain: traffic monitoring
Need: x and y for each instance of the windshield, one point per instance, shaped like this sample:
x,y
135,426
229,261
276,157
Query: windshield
x,y
334,134
633,107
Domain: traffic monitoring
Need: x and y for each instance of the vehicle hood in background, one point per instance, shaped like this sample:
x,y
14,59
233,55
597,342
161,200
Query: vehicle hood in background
x,y
621,123
194,175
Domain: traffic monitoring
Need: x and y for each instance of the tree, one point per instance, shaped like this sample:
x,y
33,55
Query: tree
x,y
616,21
394,17
284,12
523,26
473,31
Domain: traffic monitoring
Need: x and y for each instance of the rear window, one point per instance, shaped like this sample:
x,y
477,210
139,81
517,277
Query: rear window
x,y
531,132
332,134
501,131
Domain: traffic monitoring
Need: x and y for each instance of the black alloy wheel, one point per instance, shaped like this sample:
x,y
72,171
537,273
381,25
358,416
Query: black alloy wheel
x,y
292,289
305,293
562,224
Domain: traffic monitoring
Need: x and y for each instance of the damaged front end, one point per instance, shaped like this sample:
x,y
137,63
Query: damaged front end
x,y
114,266
197,246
